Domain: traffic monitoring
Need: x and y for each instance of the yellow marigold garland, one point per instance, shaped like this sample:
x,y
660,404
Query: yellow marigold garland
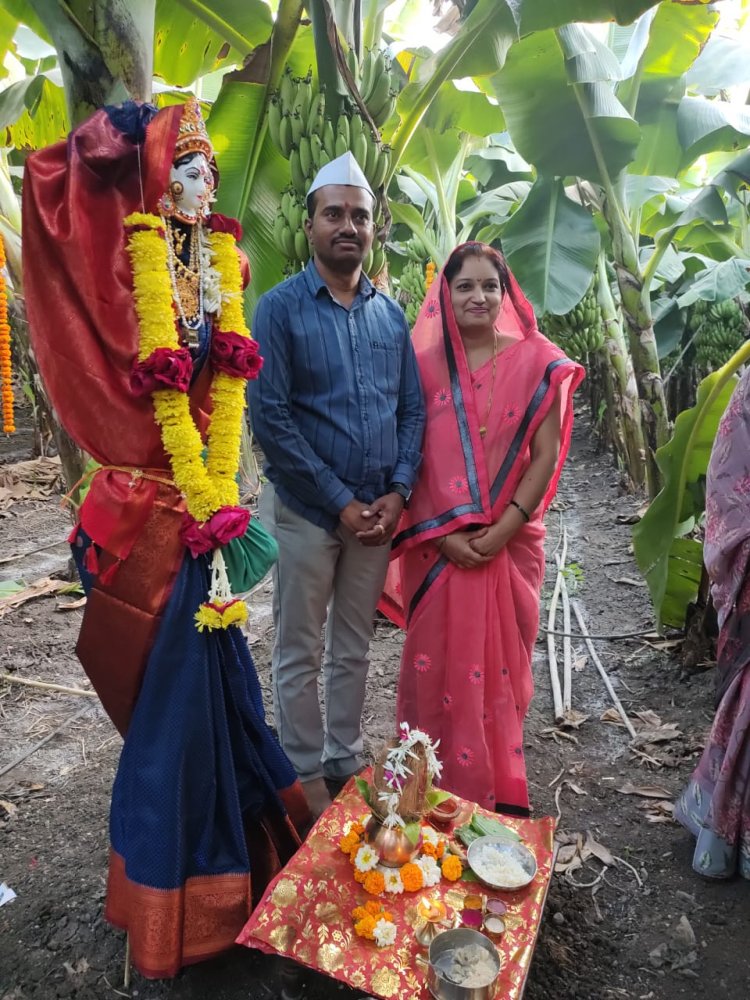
x,y
429,274
228,393
210,485
152,291
6,371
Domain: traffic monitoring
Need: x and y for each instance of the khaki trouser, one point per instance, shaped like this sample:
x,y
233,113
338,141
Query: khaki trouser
x,y
321,578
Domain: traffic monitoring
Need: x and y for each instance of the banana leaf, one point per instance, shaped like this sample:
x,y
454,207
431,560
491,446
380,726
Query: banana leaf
x,y
558,120
552,246
669,559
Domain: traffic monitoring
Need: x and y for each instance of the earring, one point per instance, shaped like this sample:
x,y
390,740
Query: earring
x,y
176,187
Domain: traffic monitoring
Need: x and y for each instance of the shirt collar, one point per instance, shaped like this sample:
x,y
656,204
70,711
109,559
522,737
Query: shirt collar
x,y
315,283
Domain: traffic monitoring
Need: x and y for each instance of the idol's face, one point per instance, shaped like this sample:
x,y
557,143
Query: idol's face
x,y
191,185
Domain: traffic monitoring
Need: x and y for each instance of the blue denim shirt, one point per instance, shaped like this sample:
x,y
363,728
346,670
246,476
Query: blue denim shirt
x,y
338,407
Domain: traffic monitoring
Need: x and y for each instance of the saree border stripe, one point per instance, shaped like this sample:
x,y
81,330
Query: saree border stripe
x,y
426,584
531,410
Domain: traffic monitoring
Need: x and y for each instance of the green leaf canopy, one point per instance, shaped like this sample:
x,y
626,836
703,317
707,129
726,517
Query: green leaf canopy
x,y
558,122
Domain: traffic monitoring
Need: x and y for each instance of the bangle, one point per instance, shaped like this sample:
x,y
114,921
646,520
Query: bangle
x,y
524,513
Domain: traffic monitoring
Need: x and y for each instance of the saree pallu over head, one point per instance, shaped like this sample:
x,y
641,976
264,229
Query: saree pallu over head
x,y
468,479
466,665
85,334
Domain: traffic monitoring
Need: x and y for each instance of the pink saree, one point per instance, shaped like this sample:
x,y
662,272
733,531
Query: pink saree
x,y
466,666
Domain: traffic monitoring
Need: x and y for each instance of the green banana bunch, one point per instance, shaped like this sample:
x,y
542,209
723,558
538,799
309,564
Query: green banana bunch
x,y
288,228
377,85
375,261
412,290
720,329
579,332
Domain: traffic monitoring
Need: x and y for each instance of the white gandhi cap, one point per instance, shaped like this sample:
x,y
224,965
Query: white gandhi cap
x,y
343,170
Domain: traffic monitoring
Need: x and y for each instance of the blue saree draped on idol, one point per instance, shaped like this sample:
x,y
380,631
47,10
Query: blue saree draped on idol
x,y
206,808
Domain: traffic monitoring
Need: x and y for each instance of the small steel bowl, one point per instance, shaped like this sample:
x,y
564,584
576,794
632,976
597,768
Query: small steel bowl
x,y
518,852
441,987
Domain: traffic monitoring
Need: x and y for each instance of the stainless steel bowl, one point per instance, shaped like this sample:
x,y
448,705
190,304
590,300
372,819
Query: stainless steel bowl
x,y
441,947
518,852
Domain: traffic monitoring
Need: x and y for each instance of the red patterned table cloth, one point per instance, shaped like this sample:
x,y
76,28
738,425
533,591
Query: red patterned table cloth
x,y
305,913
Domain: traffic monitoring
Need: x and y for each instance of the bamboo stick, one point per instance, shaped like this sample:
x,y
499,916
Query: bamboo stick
x,y
43,685
604,675
551,653
567,644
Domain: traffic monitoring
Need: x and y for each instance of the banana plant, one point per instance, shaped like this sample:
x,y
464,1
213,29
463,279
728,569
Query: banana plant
x,y
577,107
668,555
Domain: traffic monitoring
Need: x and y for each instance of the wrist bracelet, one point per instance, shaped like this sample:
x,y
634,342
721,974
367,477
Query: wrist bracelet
x,y
524,513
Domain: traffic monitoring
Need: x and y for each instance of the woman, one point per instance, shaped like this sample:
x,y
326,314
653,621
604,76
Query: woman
x,y
715,806
134,295
470,546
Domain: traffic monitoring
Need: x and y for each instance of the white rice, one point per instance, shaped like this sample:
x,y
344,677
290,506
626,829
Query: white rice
x,y
498,867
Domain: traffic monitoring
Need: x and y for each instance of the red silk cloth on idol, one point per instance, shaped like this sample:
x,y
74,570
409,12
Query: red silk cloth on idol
x,y
84,331
305,913
172,928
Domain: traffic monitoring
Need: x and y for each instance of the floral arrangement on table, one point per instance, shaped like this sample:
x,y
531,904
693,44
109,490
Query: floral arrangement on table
x,y
394,851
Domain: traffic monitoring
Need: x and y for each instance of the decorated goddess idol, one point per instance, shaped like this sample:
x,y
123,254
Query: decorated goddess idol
x,y
134,291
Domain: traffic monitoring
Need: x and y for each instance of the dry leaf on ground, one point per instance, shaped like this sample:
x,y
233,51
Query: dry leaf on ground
x,y
40,588
645,791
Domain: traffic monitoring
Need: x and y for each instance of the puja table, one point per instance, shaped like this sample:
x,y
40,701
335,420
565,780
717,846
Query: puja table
x,y
305,913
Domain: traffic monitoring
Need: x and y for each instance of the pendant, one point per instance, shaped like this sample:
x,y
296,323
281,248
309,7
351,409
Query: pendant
x,y
482,431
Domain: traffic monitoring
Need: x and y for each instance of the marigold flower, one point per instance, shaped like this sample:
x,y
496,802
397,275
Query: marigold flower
x,y
374,883
373,908
452,868
348,843
365,927
440,848
411,876
359,913
359,876
430,850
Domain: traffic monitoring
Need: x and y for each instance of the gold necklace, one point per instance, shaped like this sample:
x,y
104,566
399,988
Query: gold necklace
x,y
187,280
483,428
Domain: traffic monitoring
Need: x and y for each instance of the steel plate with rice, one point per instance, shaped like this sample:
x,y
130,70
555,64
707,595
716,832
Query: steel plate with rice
x,y
500,864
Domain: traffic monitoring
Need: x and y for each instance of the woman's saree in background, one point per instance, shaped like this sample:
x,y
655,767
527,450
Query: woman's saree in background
x,y
466,666
715,805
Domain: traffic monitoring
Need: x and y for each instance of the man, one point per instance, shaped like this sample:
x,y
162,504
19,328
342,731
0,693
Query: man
x,y
338,411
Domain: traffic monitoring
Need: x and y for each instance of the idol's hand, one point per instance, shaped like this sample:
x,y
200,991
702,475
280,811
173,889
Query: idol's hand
x,y
459,548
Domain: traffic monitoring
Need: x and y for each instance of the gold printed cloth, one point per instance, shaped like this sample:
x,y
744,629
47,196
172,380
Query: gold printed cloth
x,y
305,913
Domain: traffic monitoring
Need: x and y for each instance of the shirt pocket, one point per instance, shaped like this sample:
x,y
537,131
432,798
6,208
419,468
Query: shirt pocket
x,y
386,367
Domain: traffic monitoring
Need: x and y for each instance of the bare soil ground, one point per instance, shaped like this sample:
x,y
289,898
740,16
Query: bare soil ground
x,y
642,927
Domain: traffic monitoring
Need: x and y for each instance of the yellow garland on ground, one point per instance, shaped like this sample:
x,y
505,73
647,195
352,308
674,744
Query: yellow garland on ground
x,y
6,370
228,393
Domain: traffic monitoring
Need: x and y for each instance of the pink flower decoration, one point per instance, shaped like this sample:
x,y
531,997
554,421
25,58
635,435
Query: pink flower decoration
x,y
442,397
465,756
164,368
447,700
433,309
235,355
458,485
422,663
511,413
227,523
476,674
